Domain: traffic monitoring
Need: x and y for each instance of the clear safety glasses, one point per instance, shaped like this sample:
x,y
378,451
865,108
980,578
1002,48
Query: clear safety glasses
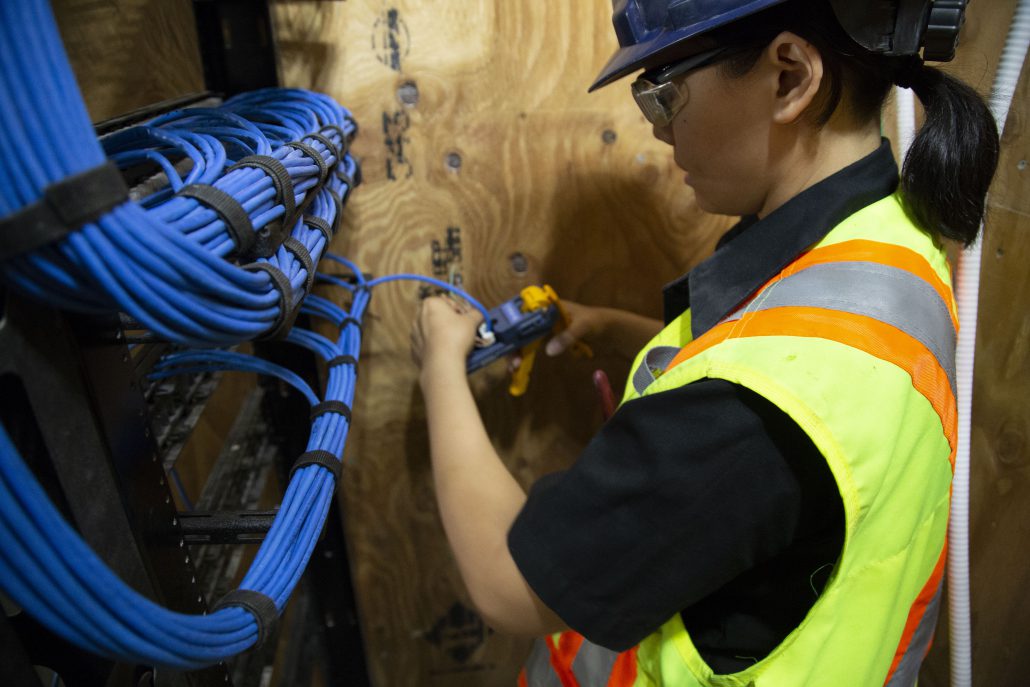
x,y
658,97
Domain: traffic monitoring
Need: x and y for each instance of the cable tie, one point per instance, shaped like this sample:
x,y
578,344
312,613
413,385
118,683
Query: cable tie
x,y
232,214
344,139
338,407
350,320
323,166
338,215
300,250
324,140
287,311
353,123
343,360
64,207
345,178
259,605
324,459
322,226
271,236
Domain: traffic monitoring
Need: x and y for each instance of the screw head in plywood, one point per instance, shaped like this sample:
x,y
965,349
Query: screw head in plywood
x,y
408,94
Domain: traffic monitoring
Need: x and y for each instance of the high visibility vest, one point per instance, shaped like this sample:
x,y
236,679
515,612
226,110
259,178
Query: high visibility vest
x,y
855,341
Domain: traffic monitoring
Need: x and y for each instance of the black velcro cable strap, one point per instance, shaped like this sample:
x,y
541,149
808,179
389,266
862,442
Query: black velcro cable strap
x,y
322,458
345,178
300,250
280,179
338,407
316,157
287,311
338,215
322,226
344,139
350,320
236,219
271,236
65,206
330,146
343,360
262,607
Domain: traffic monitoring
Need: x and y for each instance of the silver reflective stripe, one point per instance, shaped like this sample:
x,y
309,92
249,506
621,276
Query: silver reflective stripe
x,y
908,670
658,358
539,672
593,665
889,294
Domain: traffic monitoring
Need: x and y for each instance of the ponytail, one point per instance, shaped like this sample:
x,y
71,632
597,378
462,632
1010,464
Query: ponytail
x,y
948,169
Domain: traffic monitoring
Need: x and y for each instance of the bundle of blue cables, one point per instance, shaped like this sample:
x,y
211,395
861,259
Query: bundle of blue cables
x,y
171,261
162,261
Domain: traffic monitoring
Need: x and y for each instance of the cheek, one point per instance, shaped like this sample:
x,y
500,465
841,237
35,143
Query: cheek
x,y
722,144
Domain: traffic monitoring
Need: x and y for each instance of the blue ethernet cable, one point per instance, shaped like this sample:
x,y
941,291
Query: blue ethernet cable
x,y
108,264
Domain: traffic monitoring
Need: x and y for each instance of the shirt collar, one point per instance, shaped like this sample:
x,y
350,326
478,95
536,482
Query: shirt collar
x,y
754,251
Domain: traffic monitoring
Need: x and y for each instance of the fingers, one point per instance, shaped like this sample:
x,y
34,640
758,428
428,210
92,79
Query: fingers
x,y
560,343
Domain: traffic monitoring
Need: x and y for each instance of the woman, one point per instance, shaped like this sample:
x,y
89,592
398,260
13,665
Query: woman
x,y
769,504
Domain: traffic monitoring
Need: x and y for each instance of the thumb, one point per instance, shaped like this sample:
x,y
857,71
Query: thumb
x,y
560,343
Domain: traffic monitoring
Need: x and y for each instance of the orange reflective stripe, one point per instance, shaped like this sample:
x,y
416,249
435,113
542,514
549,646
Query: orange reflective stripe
x,y
562,656
624,672
918,610
864,333
522,678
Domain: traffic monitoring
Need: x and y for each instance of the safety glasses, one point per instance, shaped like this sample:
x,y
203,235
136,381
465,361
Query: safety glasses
x,y
658,97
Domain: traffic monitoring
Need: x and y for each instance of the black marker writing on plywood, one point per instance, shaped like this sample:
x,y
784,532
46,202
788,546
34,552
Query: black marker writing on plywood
x,y
391,39
395,136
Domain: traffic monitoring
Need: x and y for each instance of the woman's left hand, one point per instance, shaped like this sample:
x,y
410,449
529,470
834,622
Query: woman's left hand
x,y
444,331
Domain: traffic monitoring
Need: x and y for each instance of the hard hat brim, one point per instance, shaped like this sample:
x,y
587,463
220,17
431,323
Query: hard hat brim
x,y
667,45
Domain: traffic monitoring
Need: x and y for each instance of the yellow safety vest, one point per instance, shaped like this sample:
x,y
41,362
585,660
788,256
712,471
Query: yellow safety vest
x,y
855,340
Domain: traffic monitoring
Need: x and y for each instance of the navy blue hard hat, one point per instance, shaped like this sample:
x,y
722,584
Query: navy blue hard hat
x,y
654,32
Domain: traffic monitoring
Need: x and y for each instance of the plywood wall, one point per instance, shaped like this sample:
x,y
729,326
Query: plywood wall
x,y
505,144
128,54
502,142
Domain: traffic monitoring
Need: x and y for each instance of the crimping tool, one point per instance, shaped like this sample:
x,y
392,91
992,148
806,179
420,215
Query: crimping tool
x,y
520,324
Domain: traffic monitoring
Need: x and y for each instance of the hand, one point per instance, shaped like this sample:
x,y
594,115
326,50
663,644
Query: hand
x,y
585,322
444,329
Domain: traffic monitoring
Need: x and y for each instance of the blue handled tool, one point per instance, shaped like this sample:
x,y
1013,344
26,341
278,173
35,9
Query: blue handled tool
x,y
519,325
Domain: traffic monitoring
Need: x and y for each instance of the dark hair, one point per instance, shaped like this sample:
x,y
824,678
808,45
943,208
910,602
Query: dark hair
x,y
948,169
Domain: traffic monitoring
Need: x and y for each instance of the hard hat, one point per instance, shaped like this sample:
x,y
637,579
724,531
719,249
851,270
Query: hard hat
x,y
652,32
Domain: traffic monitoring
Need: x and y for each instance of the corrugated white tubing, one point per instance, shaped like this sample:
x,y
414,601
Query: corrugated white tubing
x,y
1012,59
906,109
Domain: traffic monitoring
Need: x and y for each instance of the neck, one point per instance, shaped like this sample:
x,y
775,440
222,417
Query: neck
x,y
820,154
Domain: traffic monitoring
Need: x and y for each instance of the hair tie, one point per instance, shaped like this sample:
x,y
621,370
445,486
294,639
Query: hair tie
x,y
909,72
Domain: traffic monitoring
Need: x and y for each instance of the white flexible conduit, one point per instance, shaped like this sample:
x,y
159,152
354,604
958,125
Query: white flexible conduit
x,y
1012,58
906,109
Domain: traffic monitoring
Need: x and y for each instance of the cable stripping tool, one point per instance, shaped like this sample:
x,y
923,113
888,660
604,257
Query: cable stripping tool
x,y
521,324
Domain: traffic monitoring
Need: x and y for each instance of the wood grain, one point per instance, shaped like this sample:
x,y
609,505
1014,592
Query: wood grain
x,y
127,54
502,85
603,217
999,515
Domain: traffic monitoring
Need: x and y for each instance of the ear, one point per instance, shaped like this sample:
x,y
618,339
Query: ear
x,y
798,68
